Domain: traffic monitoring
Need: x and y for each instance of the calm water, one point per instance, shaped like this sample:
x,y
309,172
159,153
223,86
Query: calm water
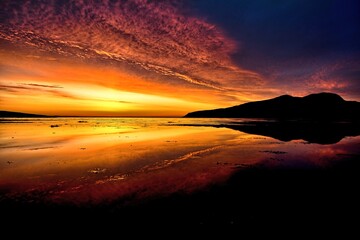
x,y
96,160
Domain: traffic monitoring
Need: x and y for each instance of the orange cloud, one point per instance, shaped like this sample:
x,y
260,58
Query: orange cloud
x,y
141,47
155,36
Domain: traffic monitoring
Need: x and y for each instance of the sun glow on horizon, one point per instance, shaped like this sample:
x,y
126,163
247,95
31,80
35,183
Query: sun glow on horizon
x,y
93,100
59,88
154,58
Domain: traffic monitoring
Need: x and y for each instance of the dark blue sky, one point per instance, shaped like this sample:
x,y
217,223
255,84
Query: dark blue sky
x,y
289,40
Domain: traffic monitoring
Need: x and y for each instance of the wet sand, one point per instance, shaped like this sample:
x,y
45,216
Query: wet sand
x,y
107,175
253,198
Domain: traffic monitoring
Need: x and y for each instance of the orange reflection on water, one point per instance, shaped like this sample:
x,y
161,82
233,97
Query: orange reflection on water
x,y
96,160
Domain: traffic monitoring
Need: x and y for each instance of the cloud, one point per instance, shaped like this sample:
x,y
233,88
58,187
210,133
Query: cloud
x,y
10,88
157,36
120,101
338,76
42,85
31,88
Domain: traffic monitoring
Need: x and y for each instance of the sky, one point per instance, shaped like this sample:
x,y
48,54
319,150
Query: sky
x,y
170,57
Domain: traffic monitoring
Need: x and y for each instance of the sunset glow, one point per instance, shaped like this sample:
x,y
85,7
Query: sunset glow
x,y
159,58
186,114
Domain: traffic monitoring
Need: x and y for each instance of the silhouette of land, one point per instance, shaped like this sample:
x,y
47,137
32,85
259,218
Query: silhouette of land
x,y
320,106
7,114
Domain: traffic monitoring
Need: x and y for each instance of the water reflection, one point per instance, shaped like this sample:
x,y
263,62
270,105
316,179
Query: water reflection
x,y
312,132
95,160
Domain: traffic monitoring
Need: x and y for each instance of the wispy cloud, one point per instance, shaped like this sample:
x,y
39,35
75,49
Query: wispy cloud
x,y
42,85
26,88
11,88
154,35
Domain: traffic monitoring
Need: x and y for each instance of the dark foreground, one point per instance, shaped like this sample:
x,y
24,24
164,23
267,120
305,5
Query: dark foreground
x,y
253,198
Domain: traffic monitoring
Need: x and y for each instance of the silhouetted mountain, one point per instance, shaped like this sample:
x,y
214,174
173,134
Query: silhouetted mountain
x,y
7,114
320,106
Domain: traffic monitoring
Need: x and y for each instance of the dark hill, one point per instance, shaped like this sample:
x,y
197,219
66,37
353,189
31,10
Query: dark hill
x,y
7,114
320,106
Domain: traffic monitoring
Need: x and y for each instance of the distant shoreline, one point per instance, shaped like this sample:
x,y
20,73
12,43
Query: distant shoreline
x,y
9,114
1,117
